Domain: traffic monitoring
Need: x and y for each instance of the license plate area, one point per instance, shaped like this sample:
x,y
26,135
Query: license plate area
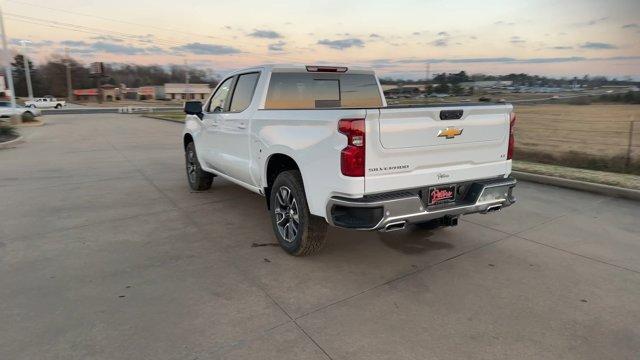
x,y
436,195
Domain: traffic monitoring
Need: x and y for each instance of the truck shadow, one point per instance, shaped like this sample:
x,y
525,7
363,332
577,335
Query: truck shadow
x,y
413,240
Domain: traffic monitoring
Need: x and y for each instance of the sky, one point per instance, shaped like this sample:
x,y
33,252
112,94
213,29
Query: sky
x,y
398,38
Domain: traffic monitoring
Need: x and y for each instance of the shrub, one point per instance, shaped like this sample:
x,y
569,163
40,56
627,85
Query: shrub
x,y
8,131
579,101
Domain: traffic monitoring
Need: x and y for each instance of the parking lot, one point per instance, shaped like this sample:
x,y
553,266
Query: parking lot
x,y
106,254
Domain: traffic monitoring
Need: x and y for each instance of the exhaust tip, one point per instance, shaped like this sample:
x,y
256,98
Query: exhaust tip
x,y
493,208
395,226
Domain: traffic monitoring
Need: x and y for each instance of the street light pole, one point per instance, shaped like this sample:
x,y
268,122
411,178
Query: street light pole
x,y
7,63
27,71
69,86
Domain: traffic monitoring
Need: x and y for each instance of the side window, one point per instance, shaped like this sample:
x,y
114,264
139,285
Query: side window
x,y
218,100
243,93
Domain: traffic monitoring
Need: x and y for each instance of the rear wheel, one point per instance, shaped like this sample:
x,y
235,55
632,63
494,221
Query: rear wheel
x,y
298,232
58,106
199,179
27,116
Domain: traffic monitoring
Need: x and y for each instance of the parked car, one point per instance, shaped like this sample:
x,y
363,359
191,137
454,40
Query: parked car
x,y
323,147
27,114
45,103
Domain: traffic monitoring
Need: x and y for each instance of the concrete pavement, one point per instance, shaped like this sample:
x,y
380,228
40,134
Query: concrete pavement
x,y
106,254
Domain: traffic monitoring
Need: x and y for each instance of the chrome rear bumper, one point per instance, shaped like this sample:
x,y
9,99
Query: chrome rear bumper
x,y
388,211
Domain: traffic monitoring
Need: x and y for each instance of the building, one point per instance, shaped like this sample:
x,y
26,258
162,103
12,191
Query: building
x,y
486,84
4,92
175,91
107,92
151,92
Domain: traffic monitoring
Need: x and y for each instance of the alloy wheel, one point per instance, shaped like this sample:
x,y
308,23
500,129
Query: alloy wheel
x,y
287,216
191,166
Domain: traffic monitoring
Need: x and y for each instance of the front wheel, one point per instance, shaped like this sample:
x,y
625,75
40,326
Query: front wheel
x,y
58,106
199,180
298,232
28,116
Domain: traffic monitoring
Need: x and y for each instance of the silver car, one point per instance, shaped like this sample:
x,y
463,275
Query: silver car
x,y
27,114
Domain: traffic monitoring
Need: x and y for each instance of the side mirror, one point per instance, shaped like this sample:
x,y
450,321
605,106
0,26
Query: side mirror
x,y
193,108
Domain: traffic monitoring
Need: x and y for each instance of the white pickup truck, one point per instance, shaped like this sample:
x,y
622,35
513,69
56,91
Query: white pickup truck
x,y
323,147
45,103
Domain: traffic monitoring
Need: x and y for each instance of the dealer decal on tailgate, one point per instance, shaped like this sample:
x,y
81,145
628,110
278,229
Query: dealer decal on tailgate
x,y
441,194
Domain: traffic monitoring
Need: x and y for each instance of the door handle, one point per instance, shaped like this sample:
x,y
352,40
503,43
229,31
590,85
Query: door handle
x,y
215,123
242,126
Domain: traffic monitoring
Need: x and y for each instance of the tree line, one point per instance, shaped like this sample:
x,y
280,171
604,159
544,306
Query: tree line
x,y
521,79
50,78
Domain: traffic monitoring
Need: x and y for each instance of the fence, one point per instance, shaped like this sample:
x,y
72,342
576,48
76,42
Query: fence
x,y
601,137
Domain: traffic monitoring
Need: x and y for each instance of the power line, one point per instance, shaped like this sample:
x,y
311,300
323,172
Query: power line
x,y
115,20
149,26
119,35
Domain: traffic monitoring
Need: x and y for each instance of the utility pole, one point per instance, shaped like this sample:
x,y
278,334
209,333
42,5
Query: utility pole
x,y
186,81
426,79
7,63
27,71
67,63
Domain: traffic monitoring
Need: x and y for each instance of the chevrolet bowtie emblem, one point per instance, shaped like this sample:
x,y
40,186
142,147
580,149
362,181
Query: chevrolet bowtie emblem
x,y
449,132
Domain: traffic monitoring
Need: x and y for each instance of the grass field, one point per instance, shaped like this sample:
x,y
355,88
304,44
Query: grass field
x,y
591,136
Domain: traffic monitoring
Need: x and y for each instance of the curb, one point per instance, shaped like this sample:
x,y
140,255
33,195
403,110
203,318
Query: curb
x,y
34,123
161,118
11,143
602,189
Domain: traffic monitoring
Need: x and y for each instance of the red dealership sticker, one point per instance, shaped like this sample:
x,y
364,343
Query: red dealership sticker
x,y
441,194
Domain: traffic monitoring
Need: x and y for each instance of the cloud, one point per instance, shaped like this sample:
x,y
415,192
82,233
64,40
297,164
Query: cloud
x,y
107,38
31,44
265,34
561,47
102,46
73,43
630,26
374,35
342,44
517,40
510,60
206,49
592,22
440,42
504,23
443,33
277,46
597,46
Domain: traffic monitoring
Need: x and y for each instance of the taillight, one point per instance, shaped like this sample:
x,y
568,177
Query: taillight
x,y
352,156
512,139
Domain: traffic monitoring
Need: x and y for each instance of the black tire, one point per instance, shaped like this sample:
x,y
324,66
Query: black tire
x,y
58,106
199,180
27,116
288,203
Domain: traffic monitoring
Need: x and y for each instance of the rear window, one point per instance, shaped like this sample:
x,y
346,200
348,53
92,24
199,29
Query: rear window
x,y
317,91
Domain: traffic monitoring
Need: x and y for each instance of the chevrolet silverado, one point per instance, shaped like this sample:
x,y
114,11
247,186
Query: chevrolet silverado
x,y
323,147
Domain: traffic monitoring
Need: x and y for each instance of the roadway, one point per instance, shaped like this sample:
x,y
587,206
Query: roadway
x,y
106,254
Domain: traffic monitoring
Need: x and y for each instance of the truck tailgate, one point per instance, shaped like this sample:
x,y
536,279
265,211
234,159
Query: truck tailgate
x,y
421,146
